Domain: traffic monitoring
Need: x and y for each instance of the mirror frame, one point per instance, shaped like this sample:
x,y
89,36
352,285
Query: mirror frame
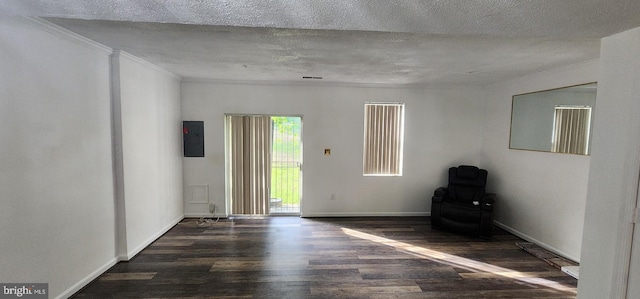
x,y
513,98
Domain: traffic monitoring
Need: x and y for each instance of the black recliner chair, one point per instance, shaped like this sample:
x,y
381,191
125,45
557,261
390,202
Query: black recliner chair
x,y
464,206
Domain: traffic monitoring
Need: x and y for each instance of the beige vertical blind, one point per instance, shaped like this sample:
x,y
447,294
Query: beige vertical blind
x,y
383,138
571,128
249,163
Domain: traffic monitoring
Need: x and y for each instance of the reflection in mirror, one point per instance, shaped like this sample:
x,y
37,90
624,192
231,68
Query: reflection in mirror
x,y
557,120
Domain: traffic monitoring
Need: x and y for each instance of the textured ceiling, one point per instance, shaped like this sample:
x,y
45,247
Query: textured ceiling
x,y
381,42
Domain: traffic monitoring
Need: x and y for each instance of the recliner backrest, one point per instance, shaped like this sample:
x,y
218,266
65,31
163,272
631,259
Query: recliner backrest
x,y
467,183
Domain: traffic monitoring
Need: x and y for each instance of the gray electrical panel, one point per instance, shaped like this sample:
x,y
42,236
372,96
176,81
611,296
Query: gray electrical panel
x,y
193,137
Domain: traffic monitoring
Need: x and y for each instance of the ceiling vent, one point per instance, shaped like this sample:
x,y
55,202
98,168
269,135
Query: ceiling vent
x,y
309,77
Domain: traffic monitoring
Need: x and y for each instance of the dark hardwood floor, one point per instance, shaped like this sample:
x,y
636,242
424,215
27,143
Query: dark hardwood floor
x,y
291,257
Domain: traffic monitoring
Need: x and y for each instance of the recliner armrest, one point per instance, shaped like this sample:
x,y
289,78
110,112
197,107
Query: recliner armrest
x,y
439,194
440,191
488,201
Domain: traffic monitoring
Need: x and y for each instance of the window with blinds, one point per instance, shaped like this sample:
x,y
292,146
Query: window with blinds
x,y
571,126
383,139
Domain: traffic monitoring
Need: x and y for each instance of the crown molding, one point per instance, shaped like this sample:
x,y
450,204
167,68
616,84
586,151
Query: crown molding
x,y
63,33
327,84
552,71
121,53
86,42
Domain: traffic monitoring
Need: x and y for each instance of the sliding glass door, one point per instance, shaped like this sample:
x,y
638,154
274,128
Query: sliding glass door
x,y
264,164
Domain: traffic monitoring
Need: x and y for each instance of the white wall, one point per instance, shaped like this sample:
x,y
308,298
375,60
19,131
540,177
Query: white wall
x,y
613,177
151,153
63,220
442,129
57,217
541,196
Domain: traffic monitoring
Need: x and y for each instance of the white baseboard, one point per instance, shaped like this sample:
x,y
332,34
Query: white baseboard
x,y
134,252
95,274
206,215
574,271
85,281
367,214
537,242
327,215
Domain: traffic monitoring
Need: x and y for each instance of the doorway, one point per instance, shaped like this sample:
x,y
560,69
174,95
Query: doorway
x,y
264,164
286,165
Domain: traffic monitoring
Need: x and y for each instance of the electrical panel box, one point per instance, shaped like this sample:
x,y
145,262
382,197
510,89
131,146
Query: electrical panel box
x,y
193,137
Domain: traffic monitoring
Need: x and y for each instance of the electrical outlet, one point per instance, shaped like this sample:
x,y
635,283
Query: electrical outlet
x,y
333,196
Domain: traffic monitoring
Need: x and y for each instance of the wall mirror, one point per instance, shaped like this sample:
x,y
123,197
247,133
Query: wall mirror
x,y
558,120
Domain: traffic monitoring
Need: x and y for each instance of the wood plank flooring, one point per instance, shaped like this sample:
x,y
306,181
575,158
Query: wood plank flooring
x,y
291,257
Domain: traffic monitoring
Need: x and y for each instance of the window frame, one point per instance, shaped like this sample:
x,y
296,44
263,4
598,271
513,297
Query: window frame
x,y
381,155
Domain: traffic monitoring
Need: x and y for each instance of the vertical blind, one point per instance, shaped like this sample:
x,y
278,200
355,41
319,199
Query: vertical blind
x,y
249,162
571,128
383,138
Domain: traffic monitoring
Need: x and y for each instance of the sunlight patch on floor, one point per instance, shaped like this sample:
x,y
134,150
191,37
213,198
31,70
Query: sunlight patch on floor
x,y
465,263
